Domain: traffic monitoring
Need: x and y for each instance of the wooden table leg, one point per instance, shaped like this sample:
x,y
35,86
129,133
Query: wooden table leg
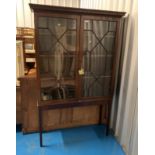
x,y
100,114
40,127
108,122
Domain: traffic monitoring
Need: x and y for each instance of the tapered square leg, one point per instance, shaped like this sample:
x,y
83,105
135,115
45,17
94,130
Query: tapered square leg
x,y
107,130
40,127
100,115
108,121
41,143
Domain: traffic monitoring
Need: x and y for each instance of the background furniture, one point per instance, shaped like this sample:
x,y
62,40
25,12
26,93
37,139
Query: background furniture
x,y
19,72
18,106
25,63
27,36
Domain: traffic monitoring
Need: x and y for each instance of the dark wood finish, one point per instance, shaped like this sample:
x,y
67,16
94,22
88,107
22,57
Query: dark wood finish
x,y
79,100
68,104
55,119
71,10
29,103
108,118
73,103
18,106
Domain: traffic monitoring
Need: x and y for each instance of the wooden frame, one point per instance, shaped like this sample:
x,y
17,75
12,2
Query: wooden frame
x,y
71,104
79,15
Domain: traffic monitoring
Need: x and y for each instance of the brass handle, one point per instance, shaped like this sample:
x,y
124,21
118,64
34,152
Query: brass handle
x,y
81,71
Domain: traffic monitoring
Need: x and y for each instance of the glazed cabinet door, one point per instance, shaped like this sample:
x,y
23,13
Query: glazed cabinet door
x,y
98,47
57,52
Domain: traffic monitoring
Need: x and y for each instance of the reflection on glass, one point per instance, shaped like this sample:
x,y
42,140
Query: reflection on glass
x,y
58,26
61,92
52,64
88,25
68,40
94,61
100,28
107,84
68,65
46,41
97,60
89,40
108,69
57,39
43,65
42,22
99,87
108,42
71,24
112,26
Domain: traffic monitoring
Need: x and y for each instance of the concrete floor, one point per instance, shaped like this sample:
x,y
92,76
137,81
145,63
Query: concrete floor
x,y
88,140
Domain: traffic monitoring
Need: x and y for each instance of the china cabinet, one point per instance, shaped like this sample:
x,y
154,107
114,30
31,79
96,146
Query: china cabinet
x,y
77,55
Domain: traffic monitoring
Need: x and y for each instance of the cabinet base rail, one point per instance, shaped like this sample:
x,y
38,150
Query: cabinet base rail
x,y
42,108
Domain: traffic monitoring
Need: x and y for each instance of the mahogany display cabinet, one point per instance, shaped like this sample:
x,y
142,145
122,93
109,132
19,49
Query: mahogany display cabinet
x,y
77,56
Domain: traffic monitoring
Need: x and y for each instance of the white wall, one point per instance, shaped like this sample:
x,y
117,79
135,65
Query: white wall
x,y
24,16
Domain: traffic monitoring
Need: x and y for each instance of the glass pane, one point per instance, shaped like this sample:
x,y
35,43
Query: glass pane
x,y
57,39
112,26
94,61
69,40
43,65
99,87
56,61
58,26
42,22
58,92
108,42
62,63
100,28
46,41
108,69
52,66
86,81
50,93
68,65
106,85
88,25
71,24
97,59
90,40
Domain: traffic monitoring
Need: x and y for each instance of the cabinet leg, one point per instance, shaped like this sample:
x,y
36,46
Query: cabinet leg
x,y
108,121
40,128
107,130
41,145
100,115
